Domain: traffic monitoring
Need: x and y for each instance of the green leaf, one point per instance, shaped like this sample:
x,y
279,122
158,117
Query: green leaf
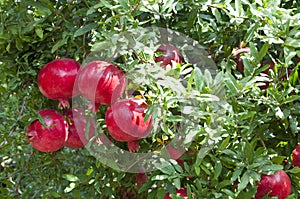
x,y
218,169
59,44
39,32
249,152
85,29
251,32
263,51
70,177
244,181
291,42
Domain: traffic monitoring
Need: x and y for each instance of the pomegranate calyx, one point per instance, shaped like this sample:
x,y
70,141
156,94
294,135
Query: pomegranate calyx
x,y
31,135
133,146
63,104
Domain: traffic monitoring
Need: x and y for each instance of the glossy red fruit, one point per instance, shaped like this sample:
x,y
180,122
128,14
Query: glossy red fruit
x,y
125,121
169,55
77,128
56,80
101,82
175,153
179,192
52,135
277,184
296,156
141,177
238,60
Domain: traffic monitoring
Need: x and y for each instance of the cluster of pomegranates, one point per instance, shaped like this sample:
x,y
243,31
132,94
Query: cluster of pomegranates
x,y
240,65
101,83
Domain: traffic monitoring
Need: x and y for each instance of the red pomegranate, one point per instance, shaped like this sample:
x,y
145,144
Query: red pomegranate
x,y
175,153
101,82
170,55
277,184
179,192
56,80
50,135
141,177
238,60
296,156
125,121
77,128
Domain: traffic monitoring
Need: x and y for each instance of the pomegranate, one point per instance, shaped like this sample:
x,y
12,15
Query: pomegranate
x,y
170,55
56,80
280,72
296,156
277,184
174,153
238,60
49,135
125,121
179,192
77,128
101,82
141,177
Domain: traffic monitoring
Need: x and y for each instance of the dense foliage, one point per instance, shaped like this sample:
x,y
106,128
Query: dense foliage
x,y
257,129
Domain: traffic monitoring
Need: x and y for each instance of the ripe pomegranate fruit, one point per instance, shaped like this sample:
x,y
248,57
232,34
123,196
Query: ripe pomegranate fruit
x,y
48,136
77,128
101,82
141,177
179,192
170,55
296,156
125,121
56,80
238,60
277,184
174,153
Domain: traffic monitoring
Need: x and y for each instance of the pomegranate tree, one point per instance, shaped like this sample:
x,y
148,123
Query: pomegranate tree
x,y
296,156
125,121
179,192
168,55
77,128
50,134
56,80
277,184
101,82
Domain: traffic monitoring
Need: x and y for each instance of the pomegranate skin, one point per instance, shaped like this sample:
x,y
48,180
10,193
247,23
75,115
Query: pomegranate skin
x,y
56,80
77,126
174,153
277,184
171,53
179,192
52,136
101,82
125,121
238,60
296,156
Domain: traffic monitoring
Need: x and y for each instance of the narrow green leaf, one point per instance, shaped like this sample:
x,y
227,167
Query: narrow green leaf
x,y
244,181
251,32
59,44
263,51
70,177
85,29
